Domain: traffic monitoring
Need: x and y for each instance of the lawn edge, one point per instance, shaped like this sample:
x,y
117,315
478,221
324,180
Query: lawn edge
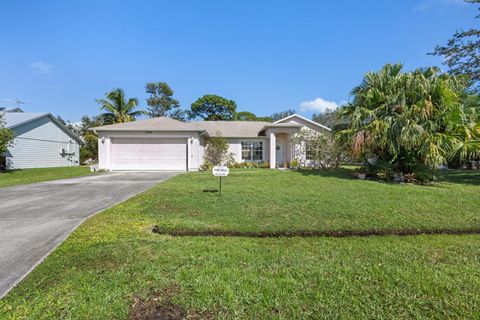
x,y
313,233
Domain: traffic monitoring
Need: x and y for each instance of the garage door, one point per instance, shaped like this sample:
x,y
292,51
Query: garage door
x,y
149,154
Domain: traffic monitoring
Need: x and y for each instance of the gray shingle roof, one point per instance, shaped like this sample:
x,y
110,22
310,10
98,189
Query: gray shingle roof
x,y
15,119
229,129
232,129
153,124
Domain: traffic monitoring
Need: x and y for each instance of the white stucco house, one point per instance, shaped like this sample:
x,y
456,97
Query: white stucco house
x,y
40,141
167,144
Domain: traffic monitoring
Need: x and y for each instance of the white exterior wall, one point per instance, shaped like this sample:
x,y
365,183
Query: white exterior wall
x,y
194,150
235,147
39,143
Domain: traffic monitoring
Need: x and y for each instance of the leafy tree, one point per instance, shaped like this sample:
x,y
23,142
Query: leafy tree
x,y
216,152
213,107
245,116
329,118
462,53
179,114
89,150
118,108
280,115
160,103
90,122
322,150
411,119
6,135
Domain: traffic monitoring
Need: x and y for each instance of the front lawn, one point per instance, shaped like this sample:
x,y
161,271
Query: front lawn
x,y
114,267
270,201
25,176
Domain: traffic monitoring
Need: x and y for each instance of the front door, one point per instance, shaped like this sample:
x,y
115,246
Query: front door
x,y
280,151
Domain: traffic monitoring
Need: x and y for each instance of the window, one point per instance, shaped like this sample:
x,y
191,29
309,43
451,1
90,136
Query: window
x,y
252,151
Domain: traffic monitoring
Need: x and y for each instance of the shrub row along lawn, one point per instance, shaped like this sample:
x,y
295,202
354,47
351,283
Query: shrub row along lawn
x,y
25,176
114,267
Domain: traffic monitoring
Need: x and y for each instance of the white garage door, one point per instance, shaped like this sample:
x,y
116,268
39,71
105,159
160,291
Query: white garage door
x,y
149,154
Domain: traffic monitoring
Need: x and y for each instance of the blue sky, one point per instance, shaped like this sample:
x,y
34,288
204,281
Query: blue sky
x,y
58,56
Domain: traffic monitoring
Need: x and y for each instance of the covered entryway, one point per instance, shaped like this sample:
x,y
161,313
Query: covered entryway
x,y
148,154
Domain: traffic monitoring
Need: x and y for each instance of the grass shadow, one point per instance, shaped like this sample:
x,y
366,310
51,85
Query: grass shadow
x,y
337,173
471,177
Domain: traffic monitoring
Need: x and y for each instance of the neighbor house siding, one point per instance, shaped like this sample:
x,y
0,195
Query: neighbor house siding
x,y
39,143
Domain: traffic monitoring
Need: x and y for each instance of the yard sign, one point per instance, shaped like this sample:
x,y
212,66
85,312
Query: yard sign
x,y
220,171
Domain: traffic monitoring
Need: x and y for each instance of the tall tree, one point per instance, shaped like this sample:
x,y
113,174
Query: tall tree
x,y
179,114
245,116
282,114
328,118
410,119
213,107
89,150
462,53
161,101
118,108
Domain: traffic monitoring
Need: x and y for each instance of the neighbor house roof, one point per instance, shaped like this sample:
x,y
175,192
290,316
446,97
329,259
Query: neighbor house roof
x,y
15,119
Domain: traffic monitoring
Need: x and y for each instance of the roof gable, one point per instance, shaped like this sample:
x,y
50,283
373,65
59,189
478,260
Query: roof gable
x,y
304,121
16,119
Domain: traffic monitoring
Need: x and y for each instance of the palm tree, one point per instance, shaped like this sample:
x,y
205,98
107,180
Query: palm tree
x,y
118,108
410,118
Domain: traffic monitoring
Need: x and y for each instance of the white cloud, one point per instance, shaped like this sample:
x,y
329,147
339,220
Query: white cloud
x,y
425,5
41,67
317,105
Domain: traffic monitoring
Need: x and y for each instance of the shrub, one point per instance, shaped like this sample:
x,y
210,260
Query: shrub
x,y
264,165
413,173
323,151
89,150
216,152
294,163
6,136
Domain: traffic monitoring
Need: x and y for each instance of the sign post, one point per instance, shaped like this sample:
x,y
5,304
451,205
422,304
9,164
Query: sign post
x,y
220,171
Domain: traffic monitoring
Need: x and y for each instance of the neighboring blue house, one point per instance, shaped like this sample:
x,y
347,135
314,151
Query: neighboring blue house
x,y
40,141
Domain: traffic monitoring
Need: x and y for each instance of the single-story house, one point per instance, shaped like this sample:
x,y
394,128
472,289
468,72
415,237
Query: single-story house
x,y
167,144
40,141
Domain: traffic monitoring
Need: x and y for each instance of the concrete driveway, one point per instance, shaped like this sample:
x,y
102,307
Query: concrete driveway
x,y
35,218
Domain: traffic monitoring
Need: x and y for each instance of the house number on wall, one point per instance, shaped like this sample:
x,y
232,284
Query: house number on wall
x,y
148,132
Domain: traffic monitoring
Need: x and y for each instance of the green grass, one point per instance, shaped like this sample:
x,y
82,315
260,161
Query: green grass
x,y
114,259
25,176
267,201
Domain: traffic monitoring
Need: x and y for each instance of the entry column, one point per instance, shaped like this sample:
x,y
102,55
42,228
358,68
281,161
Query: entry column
x,y
273,150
